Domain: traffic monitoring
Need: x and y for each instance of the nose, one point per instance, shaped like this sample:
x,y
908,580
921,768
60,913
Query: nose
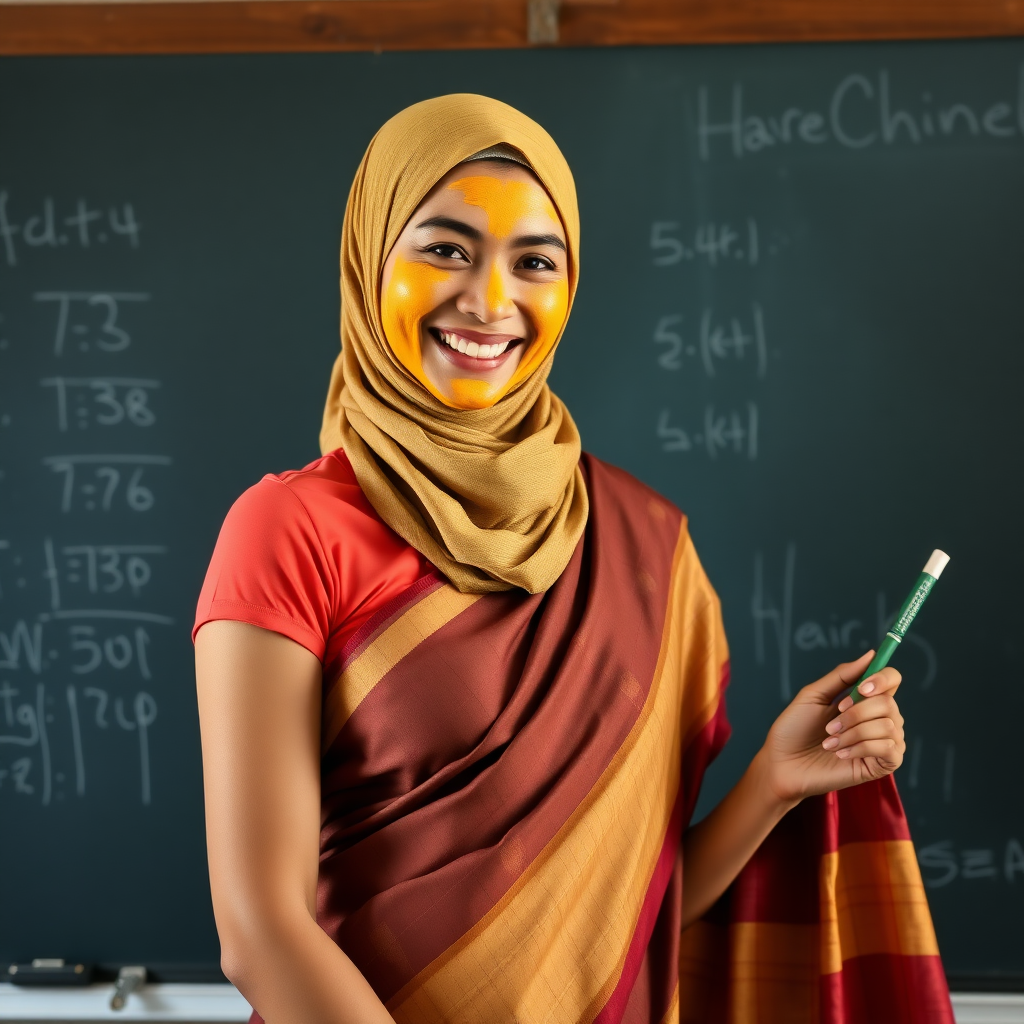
x,y
487,297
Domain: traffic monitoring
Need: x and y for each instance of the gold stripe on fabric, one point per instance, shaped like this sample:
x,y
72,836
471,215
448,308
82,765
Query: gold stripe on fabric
x,y
409,630
774,971
831,947
553,948
880,901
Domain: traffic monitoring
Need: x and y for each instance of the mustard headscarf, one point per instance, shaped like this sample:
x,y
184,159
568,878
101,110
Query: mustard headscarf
x,y
493,497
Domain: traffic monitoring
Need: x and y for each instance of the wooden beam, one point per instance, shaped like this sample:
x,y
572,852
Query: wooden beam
x,y
250,26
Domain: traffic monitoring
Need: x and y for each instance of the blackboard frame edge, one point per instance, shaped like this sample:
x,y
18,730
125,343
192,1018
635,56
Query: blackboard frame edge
x,y
265,26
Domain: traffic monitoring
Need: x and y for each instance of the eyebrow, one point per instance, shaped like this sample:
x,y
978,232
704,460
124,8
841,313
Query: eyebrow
x,y
522,242
529,241
452,225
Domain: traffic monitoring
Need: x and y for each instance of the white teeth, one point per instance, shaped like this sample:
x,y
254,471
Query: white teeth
x,y
472,348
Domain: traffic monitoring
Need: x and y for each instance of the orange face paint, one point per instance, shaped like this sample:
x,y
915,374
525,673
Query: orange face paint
x,y
410,295
416,289
506,203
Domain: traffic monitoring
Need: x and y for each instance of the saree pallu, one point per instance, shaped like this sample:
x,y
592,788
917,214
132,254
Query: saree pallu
x,y
506,780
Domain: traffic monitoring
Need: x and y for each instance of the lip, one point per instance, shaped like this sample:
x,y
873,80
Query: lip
x,y
473,363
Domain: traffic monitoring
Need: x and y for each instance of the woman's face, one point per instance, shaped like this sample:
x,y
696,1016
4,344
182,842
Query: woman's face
x,y
476,289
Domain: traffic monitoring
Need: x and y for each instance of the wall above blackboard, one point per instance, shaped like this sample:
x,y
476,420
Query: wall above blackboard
x,y
227,26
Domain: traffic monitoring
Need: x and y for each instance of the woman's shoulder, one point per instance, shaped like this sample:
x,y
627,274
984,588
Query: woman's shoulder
x,y
610,484
324,489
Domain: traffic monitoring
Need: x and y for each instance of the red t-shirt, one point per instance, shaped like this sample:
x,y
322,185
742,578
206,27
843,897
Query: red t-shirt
x,y
304,554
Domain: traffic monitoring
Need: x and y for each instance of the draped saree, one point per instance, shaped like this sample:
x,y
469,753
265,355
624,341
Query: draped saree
x,y
506,780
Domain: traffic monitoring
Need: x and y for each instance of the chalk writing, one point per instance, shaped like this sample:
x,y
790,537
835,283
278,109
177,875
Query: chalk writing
x,y
848,636
98,481
942,863
716,243
53,226
90,319
104,401
719,340
731,433
863,111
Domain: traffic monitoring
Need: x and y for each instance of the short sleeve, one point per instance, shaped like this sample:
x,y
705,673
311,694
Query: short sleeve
x,y
269,569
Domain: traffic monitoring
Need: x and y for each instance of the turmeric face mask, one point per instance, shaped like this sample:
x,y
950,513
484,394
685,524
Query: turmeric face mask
x,y
475,290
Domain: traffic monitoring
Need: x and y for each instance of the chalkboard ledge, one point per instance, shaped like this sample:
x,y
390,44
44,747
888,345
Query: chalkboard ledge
x,y
198,1004
214,1003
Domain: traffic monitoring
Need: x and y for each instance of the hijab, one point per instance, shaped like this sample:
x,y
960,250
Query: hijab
x,y
493,497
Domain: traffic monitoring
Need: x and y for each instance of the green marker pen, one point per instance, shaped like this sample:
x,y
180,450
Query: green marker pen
x,y
929,574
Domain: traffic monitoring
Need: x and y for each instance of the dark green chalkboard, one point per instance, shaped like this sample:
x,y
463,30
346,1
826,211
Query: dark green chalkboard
x,y
801,317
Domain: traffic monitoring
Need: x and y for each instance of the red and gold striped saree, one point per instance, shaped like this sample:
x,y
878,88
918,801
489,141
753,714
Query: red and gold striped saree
x,y
506,781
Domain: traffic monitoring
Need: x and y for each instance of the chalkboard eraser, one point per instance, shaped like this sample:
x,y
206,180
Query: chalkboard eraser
x,y
49,972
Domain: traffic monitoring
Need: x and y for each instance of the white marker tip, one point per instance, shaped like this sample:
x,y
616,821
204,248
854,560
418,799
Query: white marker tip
x,y
937,562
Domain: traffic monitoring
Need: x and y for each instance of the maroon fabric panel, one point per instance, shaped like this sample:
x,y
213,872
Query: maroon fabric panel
x,y
780,882
888,989
465,760
872,811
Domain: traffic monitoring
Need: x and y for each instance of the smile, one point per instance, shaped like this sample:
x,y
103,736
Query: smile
x,y
470,345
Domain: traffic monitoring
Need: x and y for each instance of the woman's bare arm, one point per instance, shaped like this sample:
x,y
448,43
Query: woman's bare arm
x,y
813,747
259,712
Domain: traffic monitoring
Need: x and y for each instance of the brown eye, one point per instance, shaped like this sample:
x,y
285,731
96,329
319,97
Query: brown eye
x,y
536,263
448,252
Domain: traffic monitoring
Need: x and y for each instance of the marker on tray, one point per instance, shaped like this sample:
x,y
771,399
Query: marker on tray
x,y
931,572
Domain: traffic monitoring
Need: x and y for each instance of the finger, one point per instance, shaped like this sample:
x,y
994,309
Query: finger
x,y
829,686
881,706
876,729
886,680
888,752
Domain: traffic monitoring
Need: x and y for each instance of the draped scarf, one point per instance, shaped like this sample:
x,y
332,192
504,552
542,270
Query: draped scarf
x,y
493,497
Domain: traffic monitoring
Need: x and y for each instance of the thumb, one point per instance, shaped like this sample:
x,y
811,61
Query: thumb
x,y
826,689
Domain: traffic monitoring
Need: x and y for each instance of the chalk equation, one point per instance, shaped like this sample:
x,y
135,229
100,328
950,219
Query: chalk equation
x,y
718,341
773,620
862,111
98,569
90,321
102,401
94,482
52,225
714,243
30,728
943,863
733,433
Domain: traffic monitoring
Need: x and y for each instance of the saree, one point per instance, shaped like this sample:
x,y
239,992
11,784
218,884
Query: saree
x,y
506,779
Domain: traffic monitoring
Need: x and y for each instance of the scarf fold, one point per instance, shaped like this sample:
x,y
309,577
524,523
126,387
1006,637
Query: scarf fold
x,y
493,497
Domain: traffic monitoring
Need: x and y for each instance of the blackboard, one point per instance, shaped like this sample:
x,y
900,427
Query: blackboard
x,y
800,318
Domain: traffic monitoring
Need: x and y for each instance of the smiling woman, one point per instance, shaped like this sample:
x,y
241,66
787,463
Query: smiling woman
x,y
459,683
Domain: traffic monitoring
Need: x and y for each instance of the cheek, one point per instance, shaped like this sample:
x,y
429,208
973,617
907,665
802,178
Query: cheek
x,y
550,307
411,293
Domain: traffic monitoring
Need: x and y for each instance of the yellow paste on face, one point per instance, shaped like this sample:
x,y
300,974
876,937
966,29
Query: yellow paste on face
x,y
408,298
410,295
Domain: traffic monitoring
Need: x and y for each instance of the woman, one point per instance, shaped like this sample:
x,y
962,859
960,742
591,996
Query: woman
x,y
458,683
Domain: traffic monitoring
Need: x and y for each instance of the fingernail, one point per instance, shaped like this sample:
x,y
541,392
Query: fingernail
x,y
845,752
832,741
868,687
845,704
836,725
